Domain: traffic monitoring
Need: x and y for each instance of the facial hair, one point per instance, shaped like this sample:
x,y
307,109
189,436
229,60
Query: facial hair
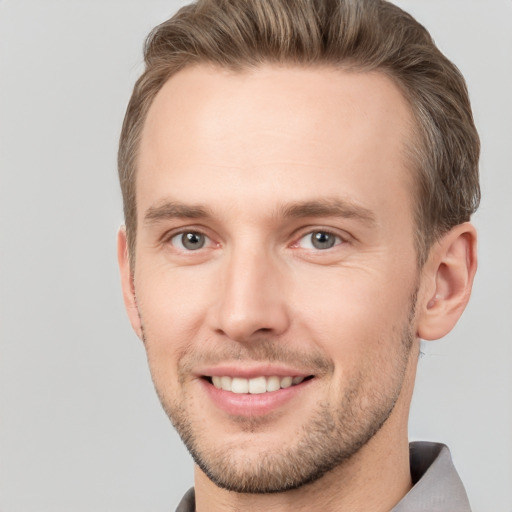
x,y
333,433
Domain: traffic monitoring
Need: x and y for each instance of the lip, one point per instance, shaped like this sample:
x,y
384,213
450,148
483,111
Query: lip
x,y
249,405
250,372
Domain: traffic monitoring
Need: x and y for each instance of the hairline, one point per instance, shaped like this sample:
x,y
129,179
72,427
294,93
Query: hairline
x,y
414,149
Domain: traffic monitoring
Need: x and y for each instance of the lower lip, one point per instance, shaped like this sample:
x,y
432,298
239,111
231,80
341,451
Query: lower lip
x,y
246,404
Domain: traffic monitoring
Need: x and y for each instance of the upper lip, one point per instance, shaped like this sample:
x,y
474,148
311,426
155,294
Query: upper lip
x,y
251,371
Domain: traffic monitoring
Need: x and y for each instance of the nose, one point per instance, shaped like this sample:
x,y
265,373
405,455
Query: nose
x,y
251,297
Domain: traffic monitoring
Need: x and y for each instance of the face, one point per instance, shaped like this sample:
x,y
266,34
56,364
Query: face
x,y
275,274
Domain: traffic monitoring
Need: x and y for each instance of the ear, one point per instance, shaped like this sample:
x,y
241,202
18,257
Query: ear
x,y
447,280
127,285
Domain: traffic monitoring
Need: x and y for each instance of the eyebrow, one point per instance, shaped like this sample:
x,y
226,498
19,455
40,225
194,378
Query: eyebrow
x,y
175,210
299,209
328,208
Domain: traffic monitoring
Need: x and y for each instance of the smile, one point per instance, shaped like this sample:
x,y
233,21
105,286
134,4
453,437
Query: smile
x,y
255,385
251,392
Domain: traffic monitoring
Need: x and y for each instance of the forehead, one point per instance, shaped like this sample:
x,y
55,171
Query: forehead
x,y
305,130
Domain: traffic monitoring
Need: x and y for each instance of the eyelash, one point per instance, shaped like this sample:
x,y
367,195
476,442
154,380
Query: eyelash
x,y
168,239
338,239
208,242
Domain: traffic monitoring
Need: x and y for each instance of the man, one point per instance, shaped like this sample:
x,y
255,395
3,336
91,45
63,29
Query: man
x,y
298,179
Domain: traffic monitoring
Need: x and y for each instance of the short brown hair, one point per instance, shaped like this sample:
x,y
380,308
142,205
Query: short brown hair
x,y
361,35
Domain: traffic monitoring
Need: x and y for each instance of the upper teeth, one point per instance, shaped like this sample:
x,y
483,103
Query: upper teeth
x,y
255,385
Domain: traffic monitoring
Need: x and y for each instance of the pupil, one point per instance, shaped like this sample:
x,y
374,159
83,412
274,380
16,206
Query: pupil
x,y
192,241
322,240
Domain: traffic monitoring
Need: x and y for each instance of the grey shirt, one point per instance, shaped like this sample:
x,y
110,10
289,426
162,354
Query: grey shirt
x,y
436,485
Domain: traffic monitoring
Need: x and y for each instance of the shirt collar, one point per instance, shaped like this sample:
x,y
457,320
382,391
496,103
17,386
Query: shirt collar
x,y
437,486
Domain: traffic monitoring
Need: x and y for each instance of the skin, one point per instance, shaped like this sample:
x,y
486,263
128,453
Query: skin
x,y
241,158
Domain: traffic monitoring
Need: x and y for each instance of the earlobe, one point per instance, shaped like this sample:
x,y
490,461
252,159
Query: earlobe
x,y
447,281
127,284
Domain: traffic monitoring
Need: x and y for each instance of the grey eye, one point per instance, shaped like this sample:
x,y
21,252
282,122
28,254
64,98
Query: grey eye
x,y
319,240
191,241
322,240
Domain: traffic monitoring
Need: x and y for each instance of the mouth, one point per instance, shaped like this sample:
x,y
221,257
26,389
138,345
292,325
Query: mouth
x,y
255,385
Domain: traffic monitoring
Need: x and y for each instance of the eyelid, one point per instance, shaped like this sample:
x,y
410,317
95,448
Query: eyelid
x,y
179,241
343,236
172,233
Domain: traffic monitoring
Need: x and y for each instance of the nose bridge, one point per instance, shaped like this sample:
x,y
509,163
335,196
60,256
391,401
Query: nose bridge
x,y
251,297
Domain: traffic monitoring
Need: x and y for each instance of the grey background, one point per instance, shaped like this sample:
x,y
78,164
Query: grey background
x,y
80,426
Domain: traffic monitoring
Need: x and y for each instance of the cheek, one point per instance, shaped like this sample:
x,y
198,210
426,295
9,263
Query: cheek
x,y
171,301
354,314
171,310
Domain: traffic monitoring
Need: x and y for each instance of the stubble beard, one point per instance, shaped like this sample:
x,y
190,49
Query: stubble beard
x,y
329,438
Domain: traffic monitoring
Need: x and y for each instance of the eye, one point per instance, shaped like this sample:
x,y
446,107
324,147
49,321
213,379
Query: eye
x,y
189,241
319,240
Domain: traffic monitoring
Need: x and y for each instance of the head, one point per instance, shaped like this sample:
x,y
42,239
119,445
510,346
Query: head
x,y
296,186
